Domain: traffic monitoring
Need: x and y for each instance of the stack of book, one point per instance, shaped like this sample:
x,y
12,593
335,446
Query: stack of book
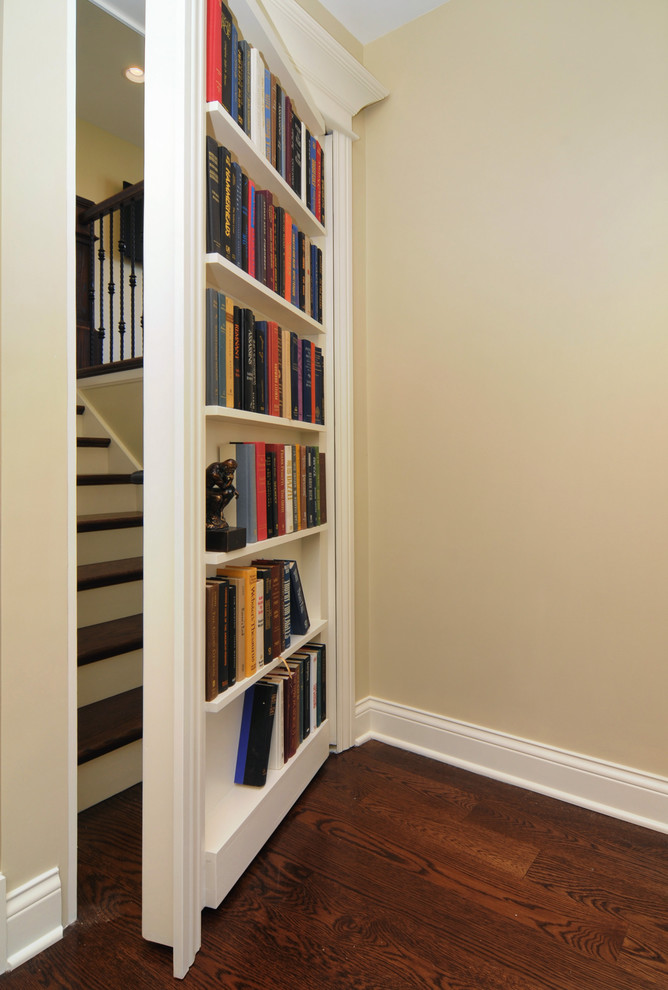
x,y
238,78
258,366
244,225
251,613
282,488
280,711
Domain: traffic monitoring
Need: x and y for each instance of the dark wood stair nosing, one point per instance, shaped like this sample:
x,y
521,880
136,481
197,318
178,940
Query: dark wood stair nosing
x,y
109,572
93,441
113,638
110,724
104,479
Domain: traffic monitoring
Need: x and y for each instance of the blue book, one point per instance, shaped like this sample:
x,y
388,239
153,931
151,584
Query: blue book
x,y
257,724
245,484
267,114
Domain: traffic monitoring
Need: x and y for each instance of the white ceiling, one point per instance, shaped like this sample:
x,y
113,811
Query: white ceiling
x,y
371,19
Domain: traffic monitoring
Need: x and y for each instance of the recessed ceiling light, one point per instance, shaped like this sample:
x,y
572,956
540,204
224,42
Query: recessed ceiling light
x,y
134,73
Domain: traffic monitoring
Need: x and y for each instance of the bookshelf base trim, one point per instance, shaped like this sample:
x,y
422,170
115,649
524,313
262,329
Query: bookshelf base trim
x,y
607,788
224,864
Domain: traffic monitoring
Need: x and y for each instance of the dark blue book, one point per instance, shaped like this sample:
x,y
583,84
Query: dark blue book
x,y
318,383
213,191
211,396
257,723
234,83
294,374
307,382
261,365
249,361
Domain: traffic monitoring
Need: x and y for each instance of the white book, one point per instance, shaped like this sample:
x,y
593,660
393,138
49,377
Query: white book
x,y
257,123
277,748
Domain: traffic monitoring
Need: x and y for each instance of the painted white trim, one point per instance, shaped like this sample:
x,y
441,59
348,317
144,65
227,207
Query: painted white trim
x,y
34,915
621,792
3,923
341,86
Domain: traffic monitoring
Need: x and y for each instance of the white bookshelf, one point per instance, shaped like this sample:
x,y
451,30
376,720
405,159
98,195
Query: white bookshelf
x,y
200,830
238,819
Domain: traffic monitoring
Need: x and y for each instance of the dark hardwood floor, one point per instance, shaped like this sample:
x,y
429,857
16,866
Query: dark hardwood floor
x,y
392,871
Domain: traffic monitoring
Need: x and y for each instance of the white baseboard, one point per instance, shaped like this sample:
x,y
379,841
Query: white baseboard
x,y
621,792
34,918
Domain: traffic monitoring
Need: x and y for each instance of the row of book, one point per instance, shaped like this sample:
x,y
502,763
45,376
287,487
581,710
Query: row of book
x,y
238,78
244,225
282,488
251,613
258,366
279,712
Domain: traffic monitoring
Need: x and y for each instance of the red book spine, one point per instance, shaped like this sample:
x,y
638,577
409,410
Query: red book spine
x,y
280,465
287,257
214,52
318,180
260,490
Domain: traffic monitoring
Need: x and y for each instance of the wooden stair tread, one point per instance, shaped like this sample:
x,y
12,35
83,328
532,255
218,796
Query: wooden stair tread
x,y
105,479
129,364
97,521
109,724
93,441
108,572
109,639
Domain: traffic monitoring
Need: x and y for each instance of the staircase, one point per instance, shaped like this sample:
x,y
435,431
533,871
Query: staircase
x,y
110,622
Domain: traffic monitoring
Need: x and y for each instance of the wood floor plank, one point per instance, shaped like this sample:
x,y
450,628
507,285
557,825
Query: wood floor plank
x,y
372,883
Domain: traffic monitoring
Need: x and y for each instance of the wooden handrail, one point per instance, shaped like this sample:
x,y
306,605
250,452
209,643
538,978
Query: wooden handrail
x,y
98,210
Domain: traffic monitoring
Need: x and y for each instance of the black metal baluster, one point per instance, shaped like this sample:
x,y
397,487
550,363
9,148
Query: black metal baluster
x,y
133,277
92,335
101,256
111,288
121,277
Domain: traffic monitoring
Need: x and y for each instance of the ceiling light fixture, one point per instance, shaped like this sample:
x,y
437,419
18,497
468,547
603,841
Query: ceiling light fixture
x,y
134,73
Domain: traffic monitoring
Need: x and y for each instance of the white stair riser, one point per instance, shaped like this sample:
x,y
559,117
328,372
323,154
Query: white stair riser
x,y
92,460
114,772
101,604
108,677
108,498
109,544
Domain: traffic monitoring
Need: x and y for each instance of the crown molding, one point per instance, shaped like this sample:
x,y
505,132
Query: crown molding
x,y
340,85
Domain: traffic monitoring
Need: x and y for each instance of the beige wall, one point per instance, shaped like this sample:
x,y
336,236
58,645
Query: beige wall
x,y
37,629
104,162
516,350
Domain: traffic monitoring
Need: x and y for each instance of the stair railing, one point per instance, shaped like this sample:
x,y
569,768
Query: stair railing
x,y
110,256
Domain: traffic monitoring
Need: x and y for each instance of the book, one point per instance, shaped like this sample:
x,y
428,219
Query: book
x,y
245,484
222,350
261,365
257,722
249,389
264,574
211,641
211,361
213,190
214,59
222,651
226,57
277,747
225,171
318,384
249,576
236,192
299,619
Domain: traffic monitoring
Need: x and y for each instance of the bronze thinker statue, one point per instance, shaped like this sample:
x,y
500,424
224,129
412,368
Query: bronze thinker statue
x,y
220,491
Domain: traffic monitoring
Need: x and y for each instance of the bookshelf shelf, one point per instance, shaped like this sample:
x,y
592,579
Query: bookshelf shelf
x,y
222,413
236,830
296,643
264,547
221,274
228,133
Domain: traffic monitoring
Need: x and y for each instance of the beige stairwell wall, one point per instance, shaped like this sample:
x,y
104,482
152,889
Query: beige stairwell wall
x,y
516,372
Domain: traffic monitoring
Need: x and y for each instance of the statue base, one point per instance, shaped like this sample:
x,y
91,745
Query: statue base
x,y
222,540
